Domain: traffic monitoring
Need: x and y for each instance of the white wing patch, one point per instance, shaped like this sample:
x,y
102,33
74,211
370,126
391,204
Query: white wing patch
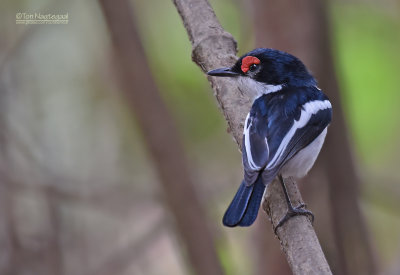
x,y
308,109
248,145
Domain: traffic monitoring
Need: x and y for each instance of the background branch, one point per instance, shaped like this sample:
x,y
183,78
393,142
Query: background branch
x,y
160,136
213,47
304,30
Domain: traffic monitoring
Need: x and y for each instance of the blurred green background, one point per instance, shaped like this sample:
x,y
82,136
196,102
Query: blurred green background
x,y
77,186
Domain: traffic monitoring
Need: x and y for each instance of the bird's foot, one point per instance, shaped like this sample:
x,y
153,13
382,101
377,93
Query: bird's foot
x,y
303,205
296,211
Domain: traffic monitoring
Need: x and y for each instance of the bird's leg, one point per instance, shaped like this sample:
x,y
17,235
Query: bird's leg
x,y
292,211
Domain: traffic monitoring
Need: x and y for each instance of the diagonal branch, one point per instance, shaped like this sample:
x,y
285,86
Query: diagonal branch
x,y
161,137
213,47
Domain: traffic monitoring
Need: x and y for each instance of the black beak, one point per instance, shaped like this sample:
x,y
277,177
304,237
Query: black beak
x,y
223,72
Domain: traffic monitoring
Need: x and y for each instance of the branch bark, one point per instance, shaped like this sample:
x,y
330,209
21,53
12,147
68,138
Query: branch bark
x,y
213,47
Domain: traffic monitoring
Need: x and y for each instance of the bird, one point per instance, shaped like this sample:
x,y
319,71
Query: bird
x,y
283,132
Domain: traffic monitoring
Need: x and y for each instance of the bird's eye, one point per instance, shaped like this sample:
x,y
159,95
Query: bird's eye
x,y
253,67
249,63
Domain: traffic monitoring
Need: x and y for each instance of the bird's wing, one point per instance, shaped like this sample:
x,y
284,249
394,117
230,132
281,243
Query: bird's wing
x,y
278,127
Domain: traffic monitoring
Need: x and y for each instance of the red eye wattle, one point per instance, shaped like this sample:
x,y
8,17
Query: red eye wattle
x,y
248,61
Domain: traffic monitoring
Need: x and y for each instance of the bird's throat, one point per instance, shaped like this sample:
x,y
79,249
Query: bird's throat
x,y
255,89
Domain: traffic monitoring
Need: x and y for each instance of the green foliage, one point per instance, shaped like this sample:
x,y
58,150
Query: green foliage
x,y
367,44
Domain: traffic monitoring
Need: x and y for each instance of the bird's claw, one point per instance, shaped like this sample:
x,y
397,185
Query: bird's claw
x,y
295,212
303,205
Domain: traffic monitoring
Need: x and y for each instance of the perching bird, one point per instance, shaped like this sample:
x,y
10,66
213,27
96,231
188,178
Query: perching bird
x,y
283,132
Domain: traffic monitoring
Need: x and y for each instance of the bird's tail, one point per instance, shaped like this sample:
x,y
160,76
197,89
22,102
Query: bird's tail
x,y
244,207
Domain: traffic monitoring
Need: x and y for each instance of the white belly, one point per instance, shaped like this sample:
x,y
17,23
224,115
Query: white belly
x,y
302,162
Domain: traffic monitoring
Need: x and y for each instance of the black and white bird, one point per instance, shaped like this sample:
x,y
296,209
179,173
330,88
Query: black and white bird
x,y
283,132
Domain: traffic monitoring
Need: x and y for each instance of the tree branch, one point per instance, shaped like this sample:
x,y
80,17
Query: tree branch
x,y
160,136
213,47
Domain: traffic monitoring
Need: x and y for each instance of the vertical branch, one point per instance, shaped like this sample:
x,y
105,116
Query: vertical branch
x,y
53,250
212,47
161,138
302,28
12,248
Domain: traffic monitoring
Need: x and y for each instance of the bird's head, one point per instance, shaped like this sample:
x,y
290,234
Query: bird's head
x,y
268,67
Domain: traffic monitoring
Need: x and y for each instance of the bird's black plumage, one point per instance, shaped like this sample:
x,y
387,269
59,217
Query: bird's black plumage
x,y
271,118
267,125
288,115
276,68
